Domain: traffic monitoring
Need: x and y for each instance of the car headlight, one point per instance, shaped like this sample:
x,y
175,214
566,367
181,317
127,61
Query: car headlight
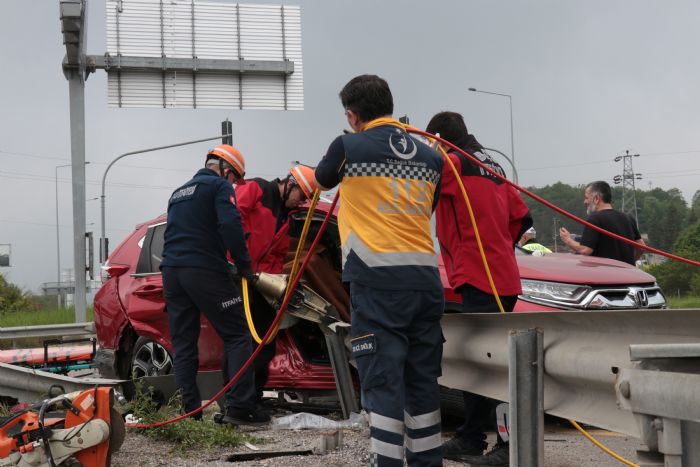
x,y
554,292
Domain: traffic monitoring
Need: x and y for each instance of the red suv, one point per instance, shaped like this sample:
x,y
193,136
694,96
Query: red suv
x,y
132,327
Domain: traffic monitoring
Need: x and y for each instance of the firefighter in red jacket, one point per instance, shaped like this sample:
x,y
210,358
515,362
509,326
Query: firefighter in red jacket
x,y
501,217
264,207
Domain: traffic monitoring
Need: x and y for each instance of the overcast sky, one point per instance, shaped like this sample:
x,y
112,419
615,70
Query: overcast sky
x,y
588,80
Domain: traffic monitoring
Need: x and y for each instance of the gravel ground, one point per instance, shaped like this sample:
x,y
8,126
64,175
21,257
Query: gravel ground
x,y
564,447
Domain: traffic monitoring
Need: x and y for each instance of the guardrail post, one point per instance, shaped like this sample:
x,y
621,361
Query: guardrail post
x,y
526,388
341,370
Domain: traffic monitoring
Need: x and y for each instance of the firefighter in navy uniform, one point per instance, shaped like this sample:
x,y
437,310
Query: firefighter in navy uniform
x,y
264,207
203,225
389,186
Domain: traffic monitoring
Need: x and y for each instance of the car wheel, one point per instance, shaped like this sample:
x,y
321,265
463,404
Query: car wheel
x,y
149,358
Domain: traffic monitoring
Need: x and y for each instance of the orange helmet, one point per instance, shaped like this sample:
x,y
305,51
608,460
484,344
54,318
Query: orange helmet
x,y
231,155
304,177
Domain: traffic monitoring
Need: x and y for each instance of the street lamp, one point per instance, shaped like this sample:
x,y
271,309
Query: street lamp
x,y
104,242
510,104
58,238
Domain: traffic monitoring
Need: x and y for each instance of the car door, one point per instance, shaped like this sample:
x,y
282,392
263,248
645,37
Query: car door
x,y
146,303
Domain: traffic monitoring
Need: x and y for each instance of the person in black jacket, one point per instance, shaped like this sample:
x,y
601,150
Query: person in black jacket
x,y
597,199
203,225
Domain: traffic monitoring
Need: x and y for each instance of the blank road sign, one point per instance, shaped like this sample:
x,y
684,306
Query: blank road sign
x,y
204,54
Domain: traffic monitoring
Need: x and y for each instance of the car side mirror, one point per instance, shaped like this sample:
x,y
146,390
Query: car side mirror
x,y
113,270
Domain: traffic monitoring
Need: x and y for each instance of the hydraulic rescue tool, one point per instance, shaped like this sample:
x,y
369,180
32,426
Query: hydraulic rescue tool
x,y
80,428
308,305
305,303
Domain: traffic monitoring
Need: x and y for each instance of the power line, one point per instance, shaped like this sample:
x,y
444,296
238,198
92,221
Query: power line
x,y
24,154
46,178
565,166
679,172
655,154
53,226
125,166
600,161
678,175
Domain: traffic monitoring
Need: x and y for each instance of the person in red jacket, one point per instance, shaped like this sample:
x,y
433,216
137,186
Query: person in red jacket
x,y
264,207
501,217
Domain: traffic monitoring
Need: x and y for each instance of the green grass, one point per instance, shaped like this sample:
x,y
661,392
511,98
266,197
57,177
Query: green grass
x,y
188,435
683,302
35,318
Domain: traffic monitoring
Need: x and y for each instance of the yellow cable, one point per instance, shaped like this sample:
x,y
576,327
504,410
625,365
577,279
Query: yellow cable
x,y
603,448
246,307
476,229
390,121
292,273
302,239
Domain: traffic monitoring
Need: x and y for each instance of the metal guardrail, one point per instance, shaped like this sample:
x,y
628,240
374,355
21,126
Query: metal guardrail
x,y
26,384
47,330
583,351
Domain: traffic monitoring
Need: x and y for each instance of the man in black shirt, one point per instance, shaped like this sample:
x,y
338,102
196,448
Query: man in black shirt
x,y
597,199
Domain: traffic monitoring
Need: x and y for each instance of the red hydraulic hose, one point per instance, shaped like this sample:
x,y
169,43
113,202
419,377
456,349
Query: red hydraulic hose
x,y
550,205
272,327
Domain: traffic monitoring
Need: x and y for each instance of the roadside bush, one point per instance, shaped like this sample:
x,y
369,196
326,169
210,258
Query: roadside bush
x,y
13,299
678,278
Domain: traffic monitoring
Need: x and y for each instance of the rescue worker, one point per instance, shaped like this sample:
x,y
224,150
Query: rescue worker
x,y
264,207
203,225
501,217
529,242
390,183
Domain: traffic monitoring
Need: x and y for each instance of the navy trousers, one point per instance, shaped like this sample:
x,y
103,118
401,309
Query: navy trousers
x,y
479,410
397,344
189,291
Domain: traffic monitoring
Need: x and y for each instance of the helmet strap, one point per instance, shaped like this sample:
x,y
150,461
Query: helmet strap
x,y
288,185
222,169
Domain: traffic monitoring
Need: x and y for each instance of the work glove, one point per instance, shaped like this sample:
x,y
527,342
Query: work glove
x,y
237,274
248,274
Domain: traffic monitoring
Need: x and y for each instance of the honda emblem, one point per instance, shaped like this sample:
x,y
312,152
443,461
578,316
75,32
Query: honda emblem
x,y
640,297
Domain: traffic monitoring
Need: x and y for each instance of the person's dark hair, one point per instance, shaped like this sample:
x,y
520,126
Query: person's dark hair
x,y
451,127
603,189
368,96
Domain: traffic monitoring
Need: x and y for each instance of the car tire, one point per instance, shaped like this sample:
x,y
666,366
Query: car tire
x,y
149,358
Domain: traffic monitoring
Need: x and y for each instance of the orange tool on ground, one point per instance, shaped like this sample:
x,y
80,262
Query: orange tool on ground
x,y
80,428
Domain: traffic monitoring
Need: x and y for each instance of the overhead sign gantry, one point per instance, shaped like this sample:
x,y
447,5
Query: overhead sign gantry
x,y
178,54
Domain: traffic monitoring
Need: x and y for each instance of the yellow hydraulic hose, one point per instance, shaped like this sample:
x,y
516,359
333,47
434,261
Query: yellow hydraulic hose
x,y
302,239
603,448
394,122
476,229
248,315
292,274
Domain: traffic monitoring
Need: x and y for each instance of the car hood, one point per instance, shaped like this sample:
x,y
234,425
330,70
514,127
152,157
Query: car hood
x,y
590,270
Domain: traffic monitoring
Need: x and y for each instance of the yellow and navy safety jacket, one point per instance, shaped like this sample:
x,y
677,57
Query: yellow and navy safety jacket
x,y
390,185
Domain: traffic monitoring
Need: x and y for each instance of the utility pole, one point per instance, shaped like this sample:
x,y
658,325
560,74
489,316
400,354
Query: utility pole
x,y
73,14
629,199
555,236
